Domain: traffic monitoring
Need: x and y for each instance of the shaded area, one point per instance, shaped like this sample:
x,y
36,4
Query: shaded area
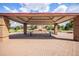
x,y
37,36
63,39
31,36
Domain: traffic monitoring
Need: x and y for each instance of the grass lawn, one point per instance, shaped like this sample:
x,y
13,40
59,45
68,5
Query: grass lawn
x,y
12,30
21,30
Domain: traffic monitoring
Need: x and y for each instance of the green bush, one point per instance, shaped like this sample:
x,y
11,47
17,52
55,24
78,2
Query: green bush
x,y
32,27
49,27
17,28
68,26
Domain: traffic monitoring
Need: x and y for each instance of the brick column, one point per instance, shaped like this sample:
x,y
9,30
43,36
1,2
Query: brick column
x,y
55,28
25,28
76,28
4,29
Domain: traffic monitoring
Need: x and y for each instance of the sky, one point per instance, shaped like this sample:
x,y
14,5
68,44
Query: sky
x,y
38,8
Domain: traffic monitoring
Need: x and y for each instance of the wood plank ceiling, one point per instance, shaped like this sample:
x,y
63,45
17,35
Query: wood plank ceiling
x,y
39,18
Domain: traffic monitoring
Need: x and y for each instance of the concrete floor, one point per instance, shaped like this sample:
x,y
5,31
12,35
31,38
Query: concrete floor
x,y
40,45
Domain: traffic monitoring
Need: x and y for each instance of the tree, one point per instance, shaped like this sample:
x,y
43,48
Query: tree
x,y
69,25
16,28
62,27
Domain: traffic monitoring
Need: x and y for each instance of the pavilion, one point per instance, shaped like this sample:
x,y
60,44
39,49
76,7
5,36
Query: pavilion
x,y
37,18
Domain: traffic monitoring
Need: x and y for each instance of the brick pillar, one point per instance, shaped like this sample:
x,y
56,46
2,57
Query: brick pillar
x,y
4,29
55,28
76,28
25,28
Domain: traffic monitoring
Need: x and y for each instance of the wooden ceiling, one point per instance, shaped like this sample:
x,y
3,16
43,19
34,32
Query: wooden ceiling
x,y
39,18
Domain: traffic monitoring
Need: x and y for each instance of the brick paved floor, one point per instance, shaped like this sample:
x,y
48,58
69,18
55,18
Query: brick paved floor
x,y
40,45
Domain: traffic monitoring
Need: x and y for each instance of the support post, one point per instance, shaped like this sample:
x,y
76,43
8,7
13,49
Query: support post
x,y
4,28
76,28
25,28
55,28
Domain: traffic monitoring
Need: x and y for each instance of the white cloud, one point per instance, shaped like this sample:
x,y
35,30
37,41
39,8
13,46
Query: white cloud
x,y
60,9
14,24
73,9
22,9
41,7
34,7
10,10
67,9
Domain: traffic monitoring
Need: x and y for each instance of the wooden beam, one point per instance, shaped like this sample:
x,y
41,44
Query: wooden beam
x,y
65,19
52,18
40,20
59,18
16,19
38,14
21,18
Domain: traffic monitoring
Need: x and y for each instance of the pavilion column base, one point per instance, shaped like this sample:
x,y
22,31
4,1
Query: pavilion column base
x,y
4,38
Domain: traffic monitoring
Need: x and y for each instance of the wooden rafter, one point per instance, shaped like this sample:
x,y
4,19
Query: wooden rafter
x,y
22,19
59,18
16,19
65,19
52,18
